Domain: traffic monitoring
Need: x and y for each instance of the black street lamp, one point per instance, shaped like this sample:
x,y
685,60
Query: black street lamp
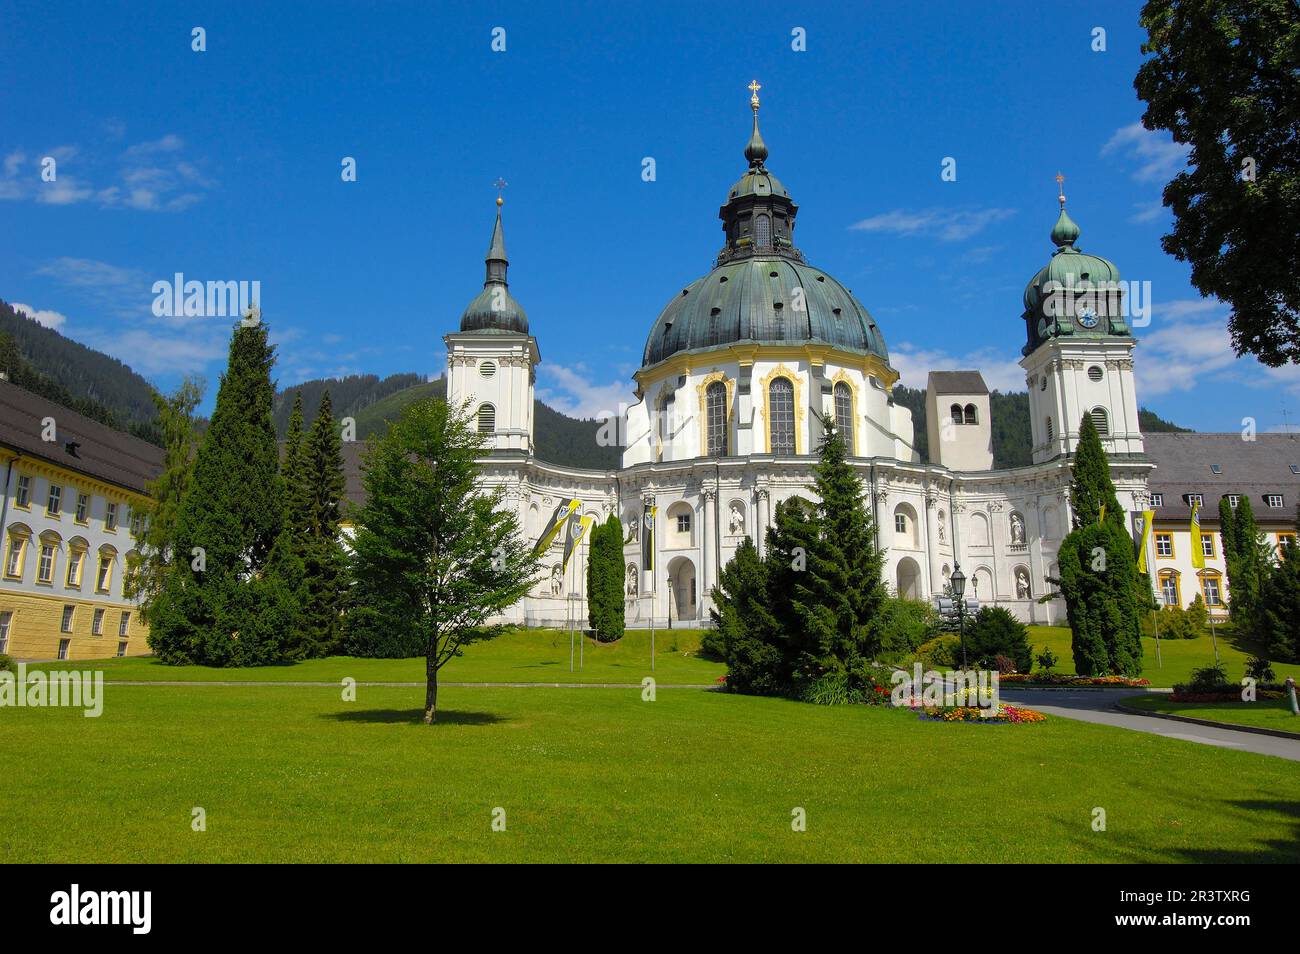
x,y
671,596
958,581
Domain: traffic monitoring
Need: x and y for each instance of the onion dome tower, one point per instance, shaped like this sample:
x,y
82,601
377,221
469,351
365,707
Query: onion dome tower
x,y
491,361
1079,354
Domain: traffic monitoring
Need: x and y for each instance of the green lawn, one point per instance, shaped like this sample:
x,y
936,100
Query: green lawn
x,y
1178,657
540,655
1264,714
297,774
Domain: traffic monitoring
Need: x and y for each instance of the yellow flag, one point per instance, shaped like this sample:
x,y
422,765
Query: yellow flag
x,y
1101,517
1198,551
578,531
557,522
1147,517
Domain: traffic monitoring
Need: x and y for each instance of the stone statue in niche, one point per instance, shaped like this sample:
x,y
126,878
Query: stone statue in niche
x,y
1017,528
557,580
943,528
633,530
736,519
633,579
1022,583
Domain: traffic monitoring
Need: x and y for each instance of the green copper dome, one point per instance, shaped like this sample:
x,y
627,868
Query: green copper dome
x,y
494,310
754,300
1074,293
761,290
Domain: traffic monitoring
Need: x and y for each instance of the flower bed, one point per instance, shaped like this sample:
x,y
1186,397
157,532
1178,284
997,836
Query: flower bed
x,y
1062,679
1006,715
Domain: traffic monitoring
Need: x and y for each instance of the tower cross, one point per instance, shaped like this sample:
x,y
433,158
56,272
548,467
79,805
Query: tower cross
x,y
500,184
1060,189
754,87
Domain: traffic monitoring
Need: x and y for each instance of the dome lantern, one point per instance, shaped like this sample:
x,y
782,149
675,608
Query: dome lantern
x,y
494,310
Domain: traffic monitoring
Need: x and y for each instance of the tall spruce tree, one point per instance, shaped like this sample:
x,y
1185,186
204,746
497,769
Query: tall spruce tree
x,y
1252,562
839,597
156,539
218,605
745,627
320,500
1229,548
1099,577
605,607
1276,621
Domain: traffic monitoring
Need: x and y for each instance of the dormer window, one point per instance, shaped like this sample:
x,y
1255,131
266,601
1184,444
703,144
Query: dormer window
x,y
1216,469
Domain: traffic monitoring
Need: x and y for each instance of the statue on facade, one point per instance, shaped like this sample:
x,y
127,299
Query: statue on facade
x,y
1022,583
633,580
736,519
633,530
1017,528
557,580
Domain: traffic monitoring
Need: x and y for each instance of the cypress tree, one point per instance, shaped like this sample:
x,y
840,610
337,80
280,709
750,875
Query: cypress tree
x,y
1230,548
1099,577
605,607
218,606
1252,563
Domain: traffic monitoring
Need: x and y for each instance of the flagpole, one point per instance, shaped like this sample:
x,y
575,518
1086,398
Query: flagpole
x,y
582,577
568,605
1148,550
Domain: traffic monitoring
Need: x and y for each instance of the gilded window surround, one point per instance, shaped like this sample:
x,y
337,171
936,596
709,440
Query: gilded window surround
x,y
842,377
747,354
800,412
703,389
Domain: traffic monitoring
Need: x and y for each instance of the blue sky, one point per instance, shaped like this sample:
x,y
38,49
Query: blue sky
x,y
225,165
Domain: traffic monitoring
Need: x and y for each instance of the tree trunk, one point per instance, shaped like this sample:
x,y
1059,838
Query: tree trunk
x,y
431,695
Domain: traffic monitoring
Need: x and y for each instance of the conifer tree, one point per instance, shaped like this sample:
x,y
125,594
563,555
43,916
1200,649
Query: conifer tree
x,y
605,607
839,597
218,606
745,627
1252,561
1099,577
1276,622
317,512
156,539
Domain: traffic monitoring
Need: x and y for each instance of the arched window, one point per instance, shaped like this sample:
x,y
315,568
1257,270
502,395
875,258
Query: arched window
x,y
1212,588
780,415
762,231
1169,594
955,410
487,419
715,415
844,414
972,417
1101,421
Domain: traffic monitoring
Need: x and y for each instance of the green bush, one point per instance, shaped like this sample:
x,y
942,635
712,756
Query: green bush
x,y
903,626
1047,659
1260,669
7,664
996,632
1210,677
942,652
1174,622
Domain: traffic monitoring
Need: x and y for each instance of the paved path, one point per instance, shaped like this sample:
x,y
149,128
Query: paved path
x,y
1098,705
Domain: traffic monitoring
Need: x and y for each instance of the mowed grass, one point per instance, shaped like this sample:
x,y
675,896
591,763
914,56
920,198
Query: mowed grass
x,y
531,655
1263,714
1178,657
295,774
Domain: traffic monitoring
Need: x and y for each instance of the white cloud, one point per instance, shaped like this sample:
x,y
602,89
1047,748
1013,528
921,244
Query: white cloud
x,y
572,391
89,272
50,319
1000,372
947,225
151,351
1148,212
1154,155
1187,346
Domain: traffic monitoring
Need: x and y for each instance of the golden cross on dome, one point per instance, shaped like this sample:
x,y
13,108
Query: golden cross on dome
x,y
1060,189
754,88
500,184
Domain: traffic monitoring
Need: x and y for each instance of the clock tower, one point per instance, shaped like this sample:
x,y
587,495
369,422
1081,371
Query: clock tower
x,y
1079,356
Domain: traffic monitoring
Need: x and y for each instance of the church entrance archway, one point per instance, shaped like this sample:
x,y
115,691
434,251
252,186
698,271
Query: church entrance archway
x,y
909,579
681,572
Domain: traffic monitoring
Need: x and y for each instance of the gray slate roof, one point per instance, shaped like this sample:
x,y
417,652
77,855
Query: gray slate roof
x,y
101,452
956,382
1249,468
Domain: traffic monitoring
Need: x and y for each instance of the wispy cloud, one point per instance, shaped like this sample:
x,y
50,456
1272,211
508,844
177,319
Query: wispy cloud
x,y
152,176
575,392
43,316
1154,156
946,225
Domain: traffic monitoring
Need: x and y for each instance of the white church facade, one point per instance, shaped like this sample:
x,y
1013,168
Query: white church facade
x,y
737,373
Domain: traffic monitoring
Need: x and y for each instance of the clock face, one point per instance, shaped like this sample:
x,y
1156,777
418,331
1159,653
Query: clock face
x,y
1088,318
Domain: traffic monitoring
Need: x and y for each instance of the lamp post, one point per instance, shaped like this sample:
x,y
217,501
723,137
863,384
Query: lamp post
x,y
671,596
958,581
